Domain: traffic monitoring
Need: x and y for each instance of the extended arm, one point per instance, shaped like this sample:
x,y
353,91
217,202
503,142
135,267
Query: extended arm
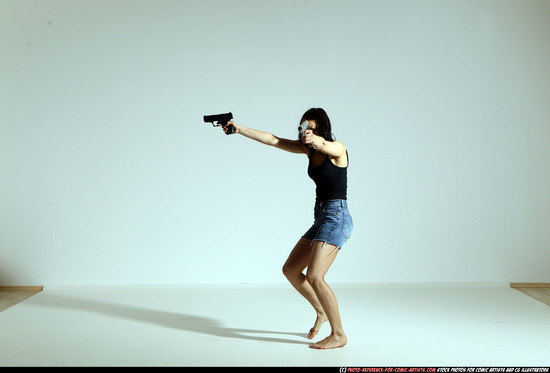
x,y
334,149
293,146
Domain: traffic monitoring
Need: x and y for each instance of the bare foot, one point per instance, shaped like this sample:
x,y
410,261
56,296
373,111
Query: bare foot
x,y
318,323
332,341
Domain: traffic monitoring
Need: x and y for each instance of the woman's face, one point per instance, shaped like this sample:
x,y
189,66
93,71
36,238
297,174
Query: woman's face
x,y
313,126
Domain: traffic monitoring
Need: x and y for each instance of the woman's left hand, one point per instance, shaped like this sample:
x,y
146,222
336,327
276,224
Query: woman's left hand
x,y
311,140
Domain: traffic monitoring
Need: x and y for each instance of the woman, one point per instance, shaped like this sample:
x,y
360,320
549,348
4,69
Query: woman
x,y
318,247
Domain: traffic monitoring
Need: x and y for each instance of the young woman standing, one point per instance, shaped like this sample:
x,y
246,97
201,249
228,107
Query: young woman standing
x,y
318,247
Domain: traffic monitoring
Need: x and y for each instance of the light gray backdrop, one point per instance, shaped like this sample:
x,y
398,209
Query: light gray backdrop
x,y
109,176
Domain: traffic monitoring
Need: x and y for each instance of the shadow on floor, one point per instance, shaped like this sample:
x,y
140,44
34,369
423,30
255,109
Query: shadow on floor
x,y
190,323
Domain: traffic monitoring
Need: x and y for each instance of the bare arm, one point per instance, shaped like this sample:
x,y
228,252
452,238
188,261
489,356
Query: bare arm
x,y
334,149
293,146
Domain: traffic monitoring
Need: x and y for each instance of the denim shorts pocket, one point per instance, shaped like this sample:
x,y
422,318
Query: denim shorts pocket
x,y
348,225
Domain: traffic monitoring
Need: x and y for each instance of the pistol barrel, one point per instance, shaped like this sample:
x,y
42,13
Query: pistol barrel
x,y
220,118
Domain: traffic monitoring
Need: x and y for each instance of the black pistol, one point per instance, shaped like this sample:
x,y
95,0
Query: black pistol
x,y
221,120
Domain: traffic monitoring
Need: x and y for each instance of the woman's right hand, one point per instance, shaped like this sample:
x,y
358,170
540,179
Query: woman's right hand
x,y
235,126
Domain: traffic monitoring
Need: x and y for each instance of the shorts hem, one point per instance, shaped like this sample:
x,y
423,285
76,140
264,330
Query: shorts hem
x,y
339,247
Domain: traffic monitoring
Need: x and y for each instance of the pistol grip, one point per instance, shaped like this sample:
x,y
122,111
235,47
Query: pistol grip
x,y
230,130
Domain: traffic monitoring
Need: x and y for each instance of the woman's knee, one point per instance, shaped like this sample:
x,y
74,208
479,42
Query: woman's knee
x,y
286,270
290,271
314,279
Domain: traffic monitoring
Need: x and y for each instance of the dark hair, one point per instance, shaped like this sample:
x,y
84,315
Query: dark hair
x,y
320,117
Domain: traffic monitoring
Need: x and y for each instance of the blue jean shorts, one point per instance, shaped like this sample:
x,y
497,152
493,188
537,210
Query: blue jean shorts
x,y
333,223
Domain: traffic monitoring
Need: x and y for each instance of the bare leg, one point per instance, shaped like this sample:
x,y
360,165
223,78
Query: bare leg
x,y
321,259
297,261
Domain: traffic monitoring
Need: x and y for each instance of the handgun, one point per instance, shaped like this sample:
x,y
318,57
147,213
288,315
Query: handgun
x,y
302,128
221,120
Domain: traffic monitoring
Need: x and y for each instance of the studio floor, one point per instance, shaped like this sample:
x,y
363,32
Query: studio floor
x,y
267,325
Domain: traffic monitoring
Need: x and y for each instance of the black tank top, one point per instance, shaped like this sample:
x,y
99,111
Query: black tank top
x,y
331,180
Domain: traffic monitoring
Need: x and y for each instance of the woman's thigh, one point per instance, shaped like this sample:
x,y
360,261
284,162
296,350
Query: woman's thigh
x,y
322,257
299,257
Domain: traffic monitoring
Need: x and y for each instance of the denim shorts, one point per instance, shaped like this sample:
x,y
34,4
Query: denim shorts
x,y
333,223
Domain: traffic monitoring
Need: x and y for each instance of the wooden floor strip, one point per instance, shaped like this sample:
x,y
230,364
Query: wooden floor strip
x,y
536,290
11,295
529,285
